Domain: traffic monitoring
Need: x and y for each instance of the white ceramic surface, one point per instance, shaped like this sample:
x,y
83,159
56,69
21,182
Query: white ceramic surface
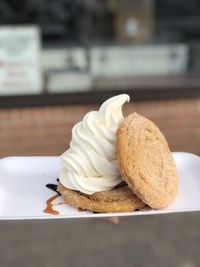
x,y
23,193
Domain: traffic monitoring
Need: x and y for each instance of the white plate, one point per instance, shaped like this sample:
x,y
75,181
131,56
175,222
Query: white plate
x,y
23,192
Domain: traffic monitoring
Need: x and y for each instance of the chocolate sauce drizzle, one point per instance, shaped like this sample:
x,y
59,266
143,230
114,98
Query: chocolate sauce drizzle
x,y
53,187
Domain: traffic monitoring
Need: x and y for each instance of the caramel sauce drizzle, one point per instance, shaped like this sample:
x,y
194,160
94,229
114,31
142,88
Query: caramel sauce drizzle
x,y
49,205
59,203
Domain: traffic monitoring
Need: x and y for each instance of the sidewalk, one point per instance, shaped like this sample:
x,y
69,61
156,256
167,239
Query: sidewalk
x,y
163,241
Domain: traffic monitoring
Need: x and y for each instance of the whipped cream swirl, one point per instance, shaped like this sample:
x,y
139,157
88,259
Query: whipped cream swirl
x,y
90,164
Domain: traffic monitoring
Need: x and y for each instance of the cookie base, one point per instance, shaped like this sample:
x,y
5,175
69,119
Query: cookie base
x,y
119,199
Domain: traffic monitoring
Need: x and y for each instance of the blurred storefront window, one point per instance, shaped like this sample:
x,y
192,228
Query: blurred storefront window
x,y
111,44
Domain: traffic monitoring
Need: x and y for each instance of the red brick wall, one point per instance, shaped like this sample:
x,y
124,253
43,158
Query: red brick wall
x,y
47,130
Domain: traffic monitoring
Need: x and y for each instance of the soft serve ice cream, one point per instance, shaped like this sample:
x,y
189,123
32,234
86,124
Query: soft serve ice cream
x,y
90,164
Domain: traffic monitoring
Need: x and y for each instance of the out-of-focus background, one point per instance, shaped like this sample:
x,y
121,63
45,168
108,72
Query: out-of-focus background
x,y
60,59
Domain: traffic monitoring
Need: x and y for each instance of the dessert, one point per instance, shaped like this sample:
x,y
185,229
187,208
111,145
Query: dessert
x,y
107,149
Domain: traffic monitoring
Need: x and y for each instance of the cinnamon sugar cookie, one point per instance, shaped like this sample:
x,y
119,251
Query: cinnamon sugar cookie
x,y
120,199
146,162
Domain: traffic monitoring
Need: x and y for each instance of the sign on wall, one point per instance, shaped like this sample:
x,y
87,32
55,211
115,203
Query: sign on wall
x,y
20,71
